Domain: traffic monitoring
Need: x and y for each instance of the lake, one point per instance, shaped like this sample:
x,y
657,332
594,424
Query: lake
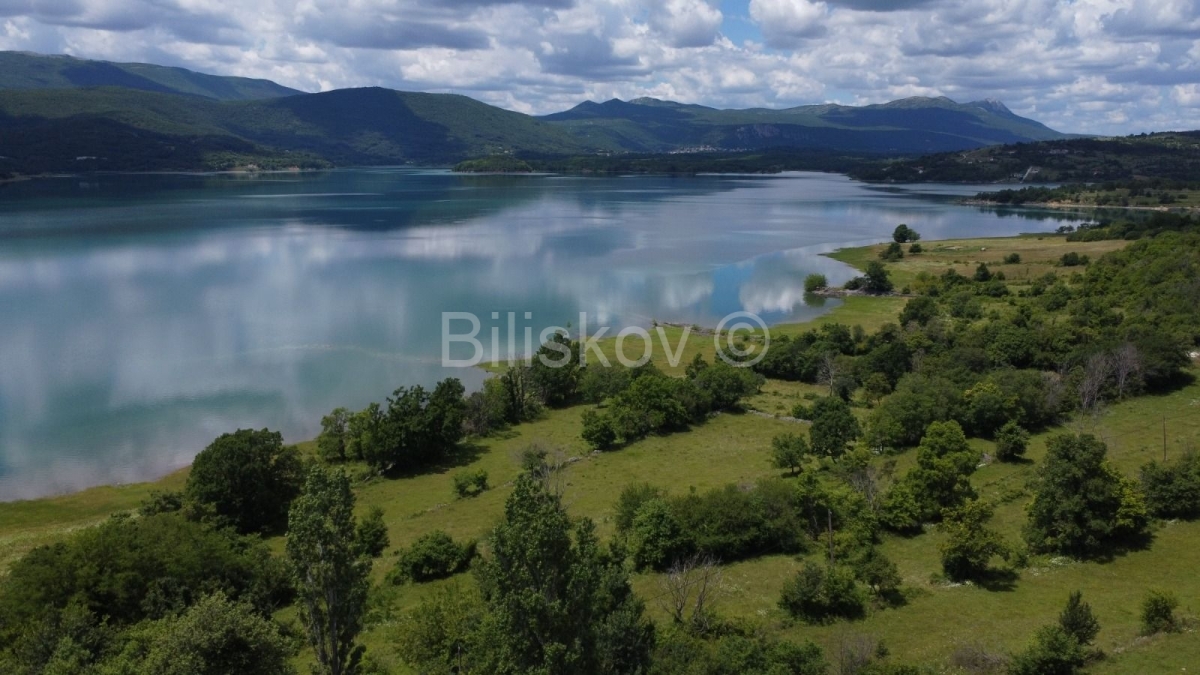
x,y
142,316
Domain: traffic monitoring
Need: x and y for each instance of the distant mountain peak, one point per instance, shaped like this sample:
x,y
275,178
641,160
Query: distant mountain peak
x,y
992,105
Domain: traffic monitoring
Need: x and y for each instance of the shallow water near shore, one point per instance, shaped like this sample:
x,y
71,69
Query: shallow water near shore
x,y
141,316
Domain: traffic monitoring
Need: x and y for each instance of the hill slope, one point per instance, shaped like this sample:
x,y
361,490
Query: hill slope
x,y
913,125
1168,155
24,70
59,113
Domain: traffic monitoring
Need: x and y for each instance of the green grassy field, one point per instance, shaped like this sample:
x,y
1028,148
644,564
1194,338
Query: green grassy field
x,y
937,619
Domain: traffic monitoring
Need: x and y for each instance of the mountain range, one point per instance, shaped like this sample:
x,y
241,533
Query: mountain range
x,y
59,113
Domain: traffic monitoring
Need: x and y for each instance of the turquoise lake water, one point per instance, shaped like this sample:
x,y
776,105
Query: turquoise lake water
x,y
142,316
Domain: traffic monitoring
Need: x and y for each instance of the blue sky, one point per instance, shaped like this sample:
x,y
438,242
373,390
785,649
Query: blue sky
x,y
1090,66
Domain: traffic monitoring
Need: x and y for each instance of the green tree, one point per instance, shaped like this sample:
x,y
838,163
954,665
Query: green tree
x,y
875,387
556,603
969,545
820,594
330,575
920,310
904,234
833,427
877,279
789,451
434,555
371,535
657,539
246,479
331,442
892,253
1011,442
815,282
1054,652
598,430
1078,620
217,636
1082,506
982,273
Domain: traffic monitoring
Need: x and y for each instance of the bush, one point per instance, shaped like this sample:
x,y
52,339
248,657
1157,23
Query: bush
x,y
915,249
1077,619
470,483
1012,259
371,535
819,595
161,501
138,568
246,479
629,501
726,385
1073,259
1173,489
969,545
982,273
656,539
921,310
1054,652
434,556
598,430
815,282
1011,442
600,383
892,253
730,523
1158,613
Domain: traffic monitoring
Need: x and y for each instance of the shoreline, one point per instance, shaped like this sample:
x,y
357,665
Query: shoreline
x,y
1067,206
851,311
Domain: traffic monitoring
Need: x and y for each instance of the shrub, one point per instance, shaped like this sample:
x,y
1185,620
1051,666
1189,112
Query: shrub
x,y
161,501
1011,442
969,545
656,539
1012,259
1173,489
731,523
726,385
815,282
1054,652
921,310
1073,259
246,479
470,483
892,253
600,383
371,535
138,568
1158,613
598,430
1078,620
821,594
982,273
632,497
434,556
915,249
